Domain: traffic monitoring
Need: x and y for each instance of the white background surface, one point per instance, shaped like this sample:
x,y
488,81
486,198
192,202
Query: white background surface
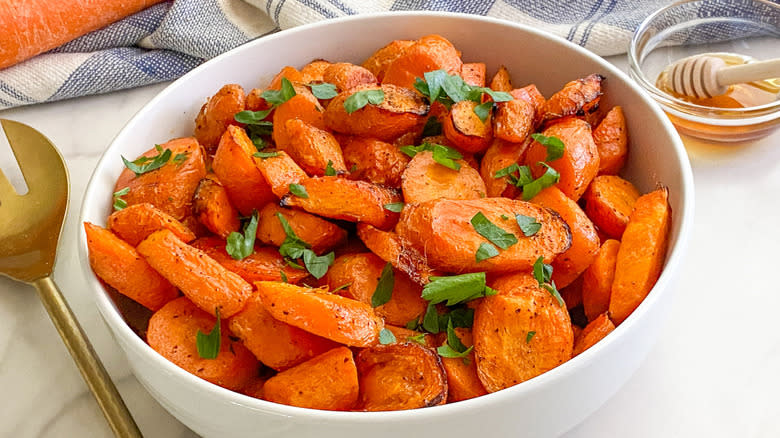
x,y
715,371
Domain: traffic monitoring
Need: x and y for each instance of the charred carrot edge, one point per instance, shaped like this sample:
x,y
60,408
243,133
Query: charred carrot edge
x,y
134,223
213,209
595,331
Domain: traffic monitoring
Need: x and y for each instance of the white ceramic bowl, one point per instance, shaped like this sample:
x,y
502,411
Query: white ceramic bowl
x,y
547,405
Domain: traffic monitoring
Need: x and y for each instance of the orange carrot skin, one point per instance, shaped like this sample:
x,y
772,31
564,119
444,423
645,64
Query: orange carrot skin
x,y
312,148
314,71
641,254
424,179
373,160
217,113
263,264
322,235
290,73
213,209
378,62
173,333
597,280
118,264
431,52
204,281
275,343
501,80
339,319
611,137
303,106
499,155
390,247
345,75
134,223
609,202
465,130
573,97
473,73
595,331
328,381
279,172
462,379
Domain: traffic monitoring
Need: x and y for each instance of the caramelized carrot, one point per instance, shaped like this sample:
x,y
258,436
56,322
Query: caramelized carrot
x,y
217,113
134,223
404,335
378,62
312,148
462,380
346,76
597,280
532,95
314,71
373,160
391,248
213,209
264,263
322,235
573,97
431,52
501,80
595,331
425,179
499,155
279,172
611,139
303,106
514,120
473,73
609,202
464,128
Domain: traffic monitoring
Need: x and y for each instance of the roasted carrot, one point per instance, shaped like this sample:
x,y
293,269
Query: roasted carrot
x,y
378,62
612,142
173,333
404,335
390,247
473,73
400,376
233,165
255,101
312,148
213,209
515,283
254,388
595,331
134,223
514,120
334,317
264,263
597,280
279,172
339,198
322,235
573,97
204,281
568,265
328,381
641,254
609,202
275,343
287,72
303,106
501,80
425,179
373,160
462,380
169,188
463,127
346,76
217,113
118,264
532,95
314,71
431,52
499,155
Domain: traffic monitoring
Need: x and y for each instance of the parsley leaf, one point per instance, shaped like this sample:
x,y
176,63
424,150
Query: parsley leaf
x,y
119,203
208,344
317,265
252,117
486,251
549,178
278,97
395,207
265,155
454,346
529,336
294,248
518,175
384,287
299,191
323,90
283,276
528,225
483,110
420,339
386,337
343,286
448,89
543,273
329,170
553,144
456,289
432,127
446,156
492,232
362,98
241,246
180,158
430,320
147,164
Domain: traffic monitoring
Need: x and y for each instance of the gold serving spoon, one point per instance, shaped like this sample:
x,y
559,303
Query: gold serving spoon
x,y
30,227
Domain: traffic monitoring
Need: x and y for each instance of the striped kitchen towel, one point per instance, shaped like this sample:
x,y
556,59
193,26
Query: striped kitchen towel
x,y
167,40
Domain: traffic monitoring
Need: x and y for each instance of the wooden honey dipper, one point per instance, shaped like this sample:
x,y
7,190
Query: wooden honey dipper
x,y
705,76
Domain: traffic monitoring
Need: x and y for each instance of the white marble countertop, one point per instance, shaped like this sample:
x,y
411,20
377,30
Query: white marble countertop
x,y
713,373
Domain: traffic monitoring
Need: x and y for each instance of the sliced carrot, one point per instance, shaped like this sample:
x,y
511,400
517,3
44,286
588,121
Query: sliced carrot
x,y
568,265
204,281
312,148
314,71
328,381
597,280
217,113
609,202
339,198
532,95
501,80
279,172
390,247
275,343
134,223
173,333
378,62
118,264
302,106
612,142
346,76
233,165
264,263
573,97
400,376
499,155
255,101
641,254
464,128
254,388
431,52
572,294
515,283
595,331
514,120
425,179
290,73
334,317
404,335
213,209
462,380
373,160
322,235
473,73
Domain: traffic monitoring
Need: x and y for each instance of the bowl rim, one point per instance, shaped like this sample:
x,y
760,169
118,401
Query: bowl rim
x,y
687,110
131,340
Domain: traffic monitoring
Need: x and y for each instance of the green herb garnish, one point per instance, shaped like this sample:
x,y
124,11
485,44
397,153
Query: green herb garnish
x,y
454,347
362,98
323,90
294,248
549,178
252,117
329,170
528,225
529,336
299,191
395,207
553,144
265,155
492,232
384,287
457,288
119,203
386,337
543,274
448,89
343,286
147,164
483,110
486,251
208,344
317,265
241,246
278,97
443,155
432,127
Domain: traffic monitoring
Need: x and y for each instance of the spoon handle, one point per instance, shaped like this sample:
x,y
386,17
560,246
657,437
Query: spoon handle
x,y
98,380
754,71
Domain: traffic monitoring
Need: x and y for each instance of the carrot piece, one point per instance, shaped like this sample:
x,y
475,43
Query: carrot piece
x,y
431,52
425,179
334,317
442,230
275,343
33,26
346,76
500,155
580,161
290,73
568,265
514,120
255,101
195,227
217,113
361,272
532,95
339,198
462,380
254,388
233,165
515,283
204,281
265,264
173,333
404,335
314,71
611,139
169,188
520,335
279,172
312,148
641,254
464,128
213,209
390,247
501,80
597,280
118,264
400,376
595,331
134,223
373,160
573,97
302,106
400,111
322,235
609,202
473,73
378,62
328,381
